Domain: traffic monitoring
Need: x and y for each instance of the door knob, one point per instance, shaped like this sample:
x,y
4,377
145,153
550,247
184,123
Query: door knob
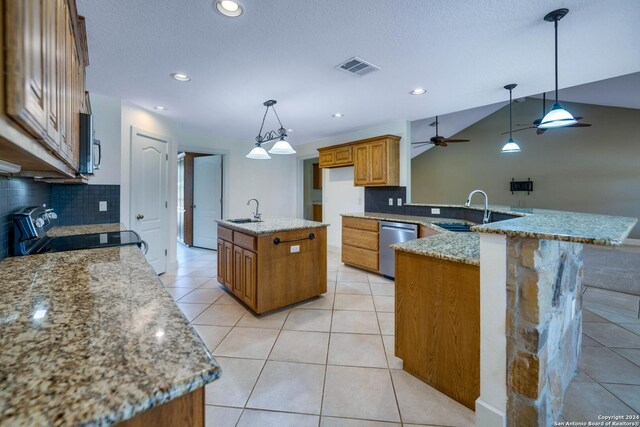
x,y
139,217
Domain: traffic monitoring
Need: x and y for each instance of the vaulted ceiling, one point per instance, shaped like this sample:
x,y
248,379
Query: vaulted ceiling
x,y
462,52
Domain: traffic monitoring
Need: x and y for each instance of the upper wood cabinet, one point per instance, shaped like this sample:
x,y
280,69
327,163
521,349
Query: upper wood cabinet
x,y
44,73
317,177
376,160
333,157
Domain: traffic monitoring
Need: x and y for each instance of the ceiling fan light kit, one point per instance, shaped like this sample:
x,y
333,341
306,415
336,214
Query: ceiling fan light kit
x,y
558,116
511,146
280,147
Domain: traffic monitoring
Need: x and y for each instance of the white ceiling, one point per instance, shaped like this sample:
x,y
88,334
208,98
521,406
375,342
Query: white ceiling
x,y
463,52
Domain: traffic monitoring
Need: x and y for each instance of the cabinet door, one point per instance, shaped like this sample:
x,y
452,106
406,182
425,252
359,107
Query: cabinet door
x,y
317,177
327,159
26,64
361,165
238,271
54,40
343,156
221,262
249,278
228,265
378,162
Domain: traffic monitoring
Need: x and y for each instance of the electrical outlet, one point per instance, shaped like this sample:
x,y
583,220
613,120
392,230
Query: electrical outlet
x,y
294,249
435,211
399,201
390,201
102,206
104,238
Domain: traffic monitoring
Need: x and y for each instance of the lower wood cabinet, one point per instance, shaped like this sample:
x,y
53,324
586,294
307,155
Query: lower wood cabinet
x,y
237,270
360,247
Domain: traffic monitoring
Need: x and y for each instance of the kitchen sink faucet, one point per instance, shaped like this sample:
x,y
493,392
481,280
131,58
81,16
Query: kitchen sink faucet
x,y
487,213
256,216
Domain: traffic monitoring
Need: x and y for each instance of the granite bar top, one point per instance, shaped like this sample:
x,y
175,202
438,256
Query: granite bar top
x,y
554,225
91,337
410,219
69,230
459,247
272,225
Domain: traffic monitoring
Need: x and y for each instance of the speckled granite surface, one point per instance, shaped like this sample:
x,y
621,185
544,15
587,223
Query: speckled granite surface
x,y
91,337
84,229
459,247
272,225
565,226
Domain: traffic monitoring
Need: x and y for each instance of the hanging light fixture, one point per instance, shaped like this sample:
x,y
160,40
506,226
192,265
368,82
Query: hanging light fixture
x,y
558,116
280,147
511,146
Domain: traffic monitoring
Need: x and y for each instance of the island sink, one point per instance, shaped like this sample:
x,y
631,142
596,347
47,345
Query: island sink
x,y
464,228
243,220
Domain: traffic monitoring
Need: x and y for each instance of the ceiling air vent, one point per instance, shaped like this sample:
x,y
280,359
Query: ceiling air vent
x,y
357,67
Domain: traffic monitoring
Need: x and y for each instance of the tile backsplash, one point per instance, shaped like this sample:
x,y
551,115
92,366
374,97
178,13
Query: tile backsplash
x,y
15,194
79,204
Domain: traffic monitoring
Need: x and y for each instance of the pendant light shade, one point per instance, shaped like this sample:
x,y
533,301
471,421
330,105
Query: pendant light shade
x,y
556,118
511,146
282,147
258,153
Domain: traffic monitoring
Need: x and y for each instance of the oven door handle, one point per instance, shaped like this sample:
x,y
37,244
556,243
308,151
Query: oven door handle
x,y
144,247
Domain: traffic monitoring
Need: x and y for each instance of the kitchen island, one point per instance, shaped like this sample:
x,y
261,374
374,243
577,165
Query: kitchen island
x,y
91,337
274,262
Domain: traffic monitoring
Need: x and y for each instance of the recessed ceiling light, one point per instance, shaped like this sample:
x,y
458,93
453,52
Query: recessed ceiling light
x,y
229,8
337,115
160,108
418,91
180,77
289,130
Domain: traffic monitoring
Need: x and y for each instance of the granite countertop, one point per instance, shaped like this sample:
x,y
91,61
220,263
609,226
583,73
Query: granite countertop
x,y
272,225
91,337
64,230
411,219
459,247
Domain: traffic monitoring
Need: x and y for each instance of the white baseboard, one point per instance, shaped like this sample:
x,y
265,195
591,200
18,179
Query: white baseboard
x,y
632,242
488,415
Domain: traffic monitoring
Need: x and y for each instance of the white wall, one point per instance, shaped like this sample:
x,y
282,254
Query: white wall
x,y
339,195
106,116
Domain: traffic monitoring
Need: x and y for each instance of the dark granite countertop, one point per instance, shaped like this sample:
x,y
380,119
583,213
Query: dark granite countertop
x,y
272,225
91,337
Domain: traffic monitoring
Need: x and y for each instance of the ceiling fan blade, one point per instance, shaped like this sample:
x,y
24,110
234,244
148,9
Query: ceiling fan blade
x,y
540,131
443,144
580,125
421,145
422,142
518,130
456,140
578,118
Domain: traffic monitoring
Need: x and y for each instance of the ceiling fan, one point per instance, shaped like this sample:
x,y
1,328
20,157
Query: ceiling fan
x,y
438,141
536,122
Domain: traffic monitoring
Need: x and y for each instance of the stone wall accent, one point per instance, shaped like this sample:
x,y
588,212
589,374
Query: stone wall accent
x,y
544,327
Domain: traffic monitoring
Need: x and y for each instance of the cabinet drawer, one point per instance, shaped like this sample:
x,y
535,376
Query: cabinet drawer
x,y
225,234
360,223
360,238
360,257
245,240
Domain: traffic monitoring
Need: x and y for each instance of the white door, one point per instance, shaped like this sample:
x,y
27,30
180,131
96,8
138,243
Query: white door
x,y
149,195
207,200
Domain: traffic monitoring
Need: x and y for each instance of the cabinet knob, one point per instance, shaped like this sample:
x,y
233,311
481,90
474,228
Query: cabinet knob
x,y
139,217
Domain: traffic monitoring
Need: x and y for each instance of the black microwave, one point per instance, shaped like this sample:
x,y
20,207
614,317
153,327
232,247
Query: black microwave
x,y
90,148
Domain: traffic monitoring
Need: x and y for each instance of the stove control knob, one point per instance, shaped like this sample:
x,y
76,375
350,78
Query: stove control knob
x,y
39,222
52,215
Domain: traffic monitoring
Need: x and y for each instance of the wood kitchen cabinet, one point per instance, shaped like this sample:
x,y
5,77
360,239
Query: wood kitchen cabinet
x,y
44,86
360,243
376,161
317,177
266,276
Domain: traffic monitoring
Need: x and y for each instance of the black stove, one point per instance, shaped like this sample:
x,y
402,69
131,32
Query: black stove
x,y
32,224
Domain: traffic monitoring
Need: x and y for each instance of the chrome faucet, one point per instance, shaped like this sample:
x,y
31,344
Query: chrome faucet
x,y
487,213
257,216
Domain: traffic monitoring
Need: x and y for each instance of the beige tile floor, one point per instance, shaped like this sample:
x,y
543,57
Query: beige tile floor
x,y
329,362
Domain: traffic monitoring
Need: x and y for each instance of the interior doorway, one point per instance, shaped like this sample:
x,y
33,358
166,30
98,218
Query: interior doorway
x,y
199,199
312,189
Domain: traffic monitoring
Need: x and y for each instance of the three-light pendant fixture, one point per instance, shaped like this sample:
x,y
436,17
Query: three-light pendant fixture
x,y
280,147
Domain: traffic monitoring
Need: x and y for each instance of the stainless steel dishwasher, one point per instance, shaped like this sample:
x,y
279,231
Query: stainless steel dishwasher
x,y
390,233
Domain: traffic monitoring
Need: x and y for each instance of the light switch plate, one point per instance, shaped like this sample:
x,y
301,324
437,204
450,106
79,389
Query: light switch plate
x,y
399,201
295,249
390,201
435,211
102,206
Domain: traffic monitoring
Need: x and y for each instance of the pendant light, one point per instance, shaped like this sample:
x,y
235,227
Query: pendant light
x,y
511,146
280,147
558,116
